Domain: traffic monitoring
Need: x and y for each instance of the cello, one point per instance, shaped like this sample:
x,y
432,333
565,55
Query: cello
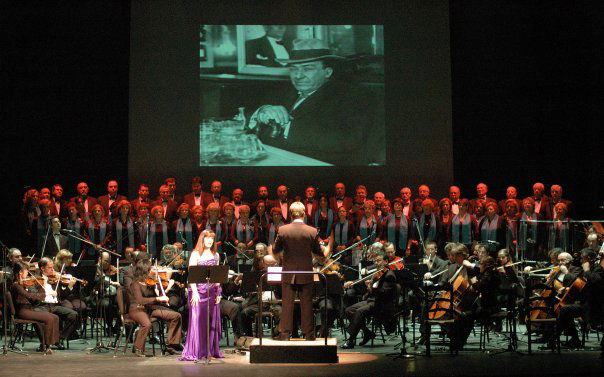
x,y
463,297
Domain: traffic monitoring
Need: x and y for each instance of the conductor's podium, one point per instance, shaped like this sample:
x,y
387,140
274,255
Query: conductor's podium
x,y
297,351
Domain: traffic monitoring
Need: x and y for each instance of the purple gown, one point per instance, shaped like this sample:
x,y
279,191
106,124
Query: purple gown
x,y
195,346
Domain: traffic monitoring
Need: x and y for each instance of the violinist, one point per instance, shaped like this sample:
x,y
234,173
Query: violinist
x,y
325,265
68,316
590,301
380,302
173,289
69,294
486,284
145,303
28,305
110,283
391,256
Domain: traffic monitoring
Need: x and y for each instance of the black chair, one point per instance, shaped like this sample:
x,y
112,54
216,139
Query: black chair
x,y
539,298
507,314
377,322
18,325
443,314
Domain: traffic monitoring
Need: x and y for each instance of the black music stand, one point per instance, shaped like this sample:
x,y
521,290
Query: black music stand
x,y
512,305
218,274
406,277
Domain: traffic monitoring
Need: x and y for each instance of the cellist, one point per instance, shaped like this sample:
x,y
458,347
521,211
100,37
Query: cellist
x,y
590,303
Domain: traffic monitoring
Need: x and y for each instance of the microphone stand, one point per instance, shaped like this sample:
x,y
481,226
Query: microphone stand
x,y
5,348
100,310
45,237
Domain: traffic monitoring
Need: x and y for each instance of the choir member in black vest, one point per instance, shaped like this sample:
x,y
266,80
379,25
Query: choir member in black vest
x,y
97,231
481,195
445,216
454,197
262,220
273,228
310,205
169,206
323,219
378,199
559,231
396,229
196,196
541,200
340,199
58,203
76,225
511,215
40,227
491,229
556,192
368,225
124,230
344,234
184,229
112,198
428,224
510,193
143,219
244,231
282,202
463,225
198,219
262,197
85,202
143,198
159,232
216,225
30,211
216,196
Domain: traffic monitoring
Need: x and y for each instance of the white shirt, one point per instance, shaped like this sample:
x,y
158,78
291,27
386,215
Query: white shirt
x,y
278,49
284,209
455,208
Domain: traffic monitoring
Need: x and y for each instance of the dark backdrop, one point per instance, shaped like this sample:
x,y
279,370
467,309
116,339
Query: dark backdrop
x,y
526,81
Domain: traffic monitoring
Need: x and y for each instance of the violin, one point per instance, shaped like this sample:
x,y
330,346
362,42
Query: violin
x,y
65,279
31,281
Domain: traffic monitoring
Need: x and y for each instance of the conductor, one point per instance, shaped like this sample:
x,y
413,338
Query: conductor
x,y
297,241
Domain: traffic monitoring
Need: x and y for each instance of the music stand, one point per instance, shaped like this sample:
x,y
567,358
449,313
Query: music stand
x,y
218,274
406,278
512,307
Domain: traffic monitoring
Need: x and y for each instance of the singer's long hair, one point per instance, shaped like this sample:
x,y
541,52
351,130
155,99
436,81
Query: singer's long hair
x,y
206,233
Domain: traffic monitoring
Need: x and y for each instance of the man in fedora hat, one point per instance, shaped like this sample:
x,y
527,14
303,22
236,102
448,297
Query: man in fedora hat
x,y
321,117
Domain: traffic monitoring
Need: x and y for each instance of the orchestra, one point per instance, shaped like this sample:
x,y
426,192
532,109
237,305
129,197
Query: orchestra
x,y
491,248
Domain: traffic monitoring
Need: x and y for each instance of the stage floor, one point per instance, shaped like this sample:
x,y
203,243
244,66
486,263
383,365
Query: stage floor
x,y
361,361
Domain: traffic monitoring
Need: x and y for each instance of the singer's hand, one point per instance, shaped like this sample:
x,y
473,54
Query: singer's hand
x,y
279,114
218,298
194,299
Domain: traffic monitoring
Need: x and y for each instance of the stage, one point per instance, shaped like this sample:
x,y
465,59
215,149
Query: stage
x,y
361,361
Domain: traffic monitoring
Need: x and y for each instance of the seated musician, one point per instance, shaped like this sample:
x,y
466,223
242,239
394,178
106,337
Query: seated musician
x,y
29,304
590,302
66,314
70,294
107,280
435,264
230,307
380,301
325,265
250,305
146,303
394,261
174,289
486,284
467,271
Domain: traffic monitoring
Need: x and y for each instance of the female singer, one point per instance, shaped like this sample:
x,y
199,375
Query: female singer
x,y
492,232
198,219
445,216
323,218
530,232
277,221
124,232
559,234
184,230
395,229
196,347
158,232
98,231
215,225
75,224
368,225
510,218
463,225
262,220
